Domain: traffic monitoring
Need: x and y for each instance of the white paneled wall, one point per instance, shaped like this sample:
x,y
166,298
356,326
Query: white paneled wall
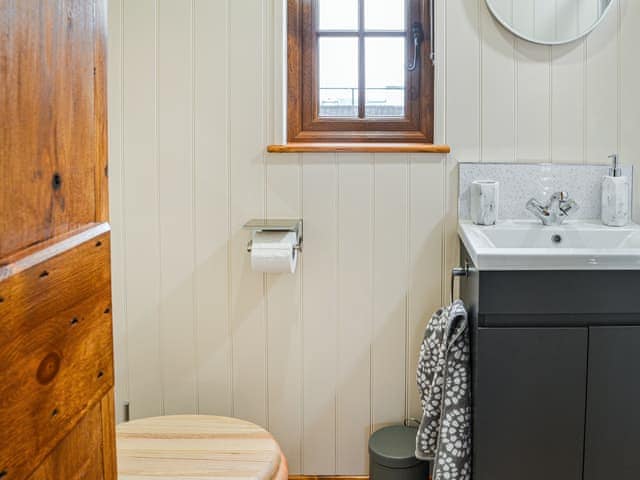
x,y
324,356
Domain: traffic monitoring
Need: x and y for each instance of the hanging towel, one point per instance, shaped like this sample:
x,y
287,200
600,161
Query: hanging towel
x,y
444,383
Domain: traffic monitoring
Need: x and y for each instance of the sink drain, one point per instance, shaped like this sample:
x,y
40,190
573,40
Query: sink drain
x,y
556,238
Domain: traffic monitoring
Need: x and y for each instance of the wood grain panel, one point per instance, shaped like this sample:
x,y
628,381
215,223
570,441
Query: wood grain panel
x,y
48,149
52,280
107,413
80,454
57,367
360,147
101,166
197,446
175,160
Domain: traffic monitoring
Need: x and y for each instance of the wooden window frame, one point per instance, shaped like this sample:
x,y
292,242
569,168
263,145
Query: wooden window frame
x,y
303,122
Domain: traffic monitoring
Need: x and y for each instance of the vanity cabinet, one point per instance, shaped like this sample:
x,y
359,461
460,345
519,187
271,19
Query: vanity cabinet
x,y
555,382
529,403
612,446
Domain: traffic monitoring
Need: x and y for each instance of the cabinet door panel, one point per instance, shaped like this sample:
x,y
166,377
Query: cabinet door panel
x,y
613,418
529,403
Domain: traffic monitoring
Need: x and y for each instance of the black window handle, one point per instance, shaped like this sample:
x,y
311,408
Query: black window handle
x,y
417,34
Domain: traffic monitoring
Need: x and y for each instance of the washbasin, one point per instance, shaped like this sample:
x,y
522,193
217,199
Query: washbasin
x,y
528,245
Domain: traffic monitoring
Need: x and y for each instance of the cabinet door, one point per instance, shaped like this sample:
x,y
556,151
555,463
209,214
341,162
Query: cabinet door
x,y
613,418
529,403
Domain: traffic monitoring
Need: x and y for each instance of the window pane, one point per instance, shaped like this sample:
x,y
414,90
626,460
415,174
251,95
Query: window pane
x,y
338,76
338,14
384,67
384,14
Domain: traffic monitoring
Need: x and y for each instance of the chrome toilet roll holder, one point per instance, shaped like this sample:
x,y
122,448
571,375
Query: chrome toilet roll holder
x,y
276,225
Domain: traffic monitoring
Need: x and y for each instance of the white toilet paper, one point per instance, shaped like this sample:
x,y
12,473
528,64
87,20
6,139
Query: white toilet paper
x,y
273,252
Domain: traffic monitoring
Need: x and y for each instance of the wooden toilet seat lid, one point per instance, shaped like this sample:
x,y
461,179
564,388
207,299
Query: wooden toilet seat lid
x,y
197,447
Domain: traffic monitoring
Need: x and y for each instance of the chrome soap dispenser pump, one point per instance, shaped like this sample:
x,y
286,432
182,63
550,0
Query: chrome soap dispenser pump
x,y
616,196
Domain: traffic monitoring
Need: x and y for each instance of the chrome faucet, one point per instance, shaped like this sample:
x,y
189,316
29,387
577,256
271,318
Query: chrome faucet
x,y
555,211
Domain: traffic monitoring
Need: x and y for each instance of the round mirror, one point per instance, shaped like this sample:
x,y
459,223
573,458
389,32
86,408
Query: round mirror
x,y
549,22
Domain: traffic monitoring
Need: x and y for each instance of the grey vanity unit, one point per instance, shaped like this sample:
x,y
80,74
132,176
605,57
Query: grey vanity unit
x,y
556,373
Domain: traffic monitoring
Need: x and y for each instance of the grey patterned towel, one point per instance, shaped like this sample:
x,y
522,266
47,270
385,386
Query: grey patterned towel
x,y
444,382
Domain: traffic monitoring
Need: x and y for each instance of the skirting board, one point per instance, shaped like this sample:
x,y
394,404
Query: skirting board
x,y
328,477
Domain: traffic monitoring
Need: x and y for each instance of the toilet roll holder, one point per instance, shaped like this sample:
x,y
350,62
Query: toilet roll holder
x,y
276,225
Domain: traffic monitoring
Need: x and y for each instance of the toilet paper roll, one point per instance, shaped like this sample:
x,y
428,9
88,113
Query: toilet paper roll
x,y
274,252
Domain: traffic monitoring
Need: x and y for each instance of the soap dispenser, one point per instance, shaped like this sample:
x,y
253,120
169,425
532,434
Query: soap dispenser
x,y
616,196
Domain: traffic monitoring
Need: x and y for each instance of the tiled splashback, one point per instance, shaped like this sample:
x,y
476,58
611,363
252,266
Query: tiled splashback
x,y
519,182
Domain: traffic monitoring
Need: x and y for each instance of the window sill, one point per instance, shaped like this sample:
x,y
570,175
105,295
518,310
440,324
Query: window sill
x,y
359,148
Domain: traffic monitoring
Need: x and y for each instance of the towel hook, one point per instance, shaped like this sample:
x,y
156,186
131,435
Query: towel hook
x,y
458,272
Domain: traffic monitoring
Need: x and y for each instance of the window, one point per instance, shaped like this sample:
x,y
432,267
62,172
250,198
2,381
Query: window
x,y
355,74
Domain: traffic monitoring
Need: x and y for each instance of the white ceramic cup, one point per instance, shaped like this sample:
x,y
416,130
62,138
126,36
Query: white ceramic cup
x,y
484,202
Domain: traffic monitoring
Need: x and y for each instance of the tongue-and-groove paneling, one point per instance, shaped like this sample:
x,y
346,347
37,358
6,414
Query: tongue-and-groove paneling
x,y
327,355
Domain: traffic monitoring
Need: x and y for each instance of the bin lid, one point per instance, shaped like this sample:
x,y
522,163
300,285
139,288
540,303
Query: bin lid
x,y
394,446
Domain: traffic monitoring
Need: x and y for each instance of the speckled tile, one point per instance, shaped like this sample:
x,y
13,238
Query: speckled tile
x,y
519,182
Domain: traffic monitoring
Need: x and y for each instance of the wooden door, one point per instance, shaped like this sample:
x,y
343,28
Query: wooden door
x,y
56,361
613,419
529,393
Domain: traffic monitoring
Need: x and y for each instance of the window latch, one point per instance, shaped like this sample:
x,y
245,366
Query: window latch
x,y
417,35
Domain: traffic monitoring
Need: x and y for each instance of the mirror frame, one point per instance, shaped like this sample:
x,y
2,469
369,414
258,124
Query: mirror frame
x,y
540,42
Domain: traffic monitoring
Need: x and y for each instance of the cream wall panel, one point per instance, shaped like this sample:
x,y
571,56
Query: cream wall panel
x,y
141,207
439,127
175,154
116,205
629,92
391,275
602,89
498,90
463,108
463,78
247,140
327,355
426,234
567,102
284,317
533,118
319,311
211,206
355,310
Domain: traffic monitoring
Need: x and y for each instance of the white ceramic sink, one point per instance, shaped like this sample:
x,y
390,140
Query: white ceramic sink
x,y
575,245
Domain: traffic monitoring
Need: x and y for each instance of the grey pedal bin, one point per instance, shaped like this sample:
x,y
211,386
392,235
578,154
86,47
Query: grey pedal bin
x,y
391,455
